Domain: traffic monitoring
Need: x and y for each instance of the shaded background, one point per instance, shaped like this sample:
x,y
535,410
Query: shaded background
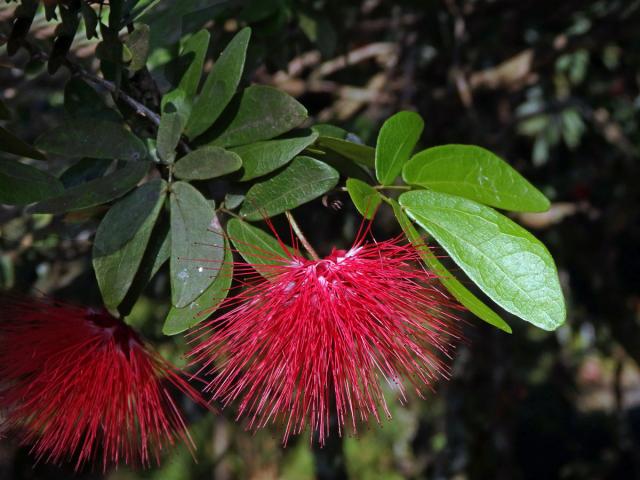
x,y
553,87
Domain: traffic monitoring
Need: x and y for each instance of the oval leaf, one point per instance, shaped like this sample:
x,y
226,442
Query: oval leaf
x,y
95,192
257,247
451,283
194,52
508,263
396,140
118,251
264,157
366,198
258,113
475,173
301,181
11,144
97,138
220,85
207,162
21,184
197,244
180,319
356,152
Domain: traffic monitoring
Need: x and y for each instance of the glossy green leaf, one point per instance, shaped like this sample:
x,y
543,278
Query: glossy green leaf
x,y
180,319
21,184
11,144
475,173
207,162
366,198
508,263
194,51
300,182
118,248
197,244
220,86
264,157
97,138
258,248
138,44
258,113
95,192
451,283
396,140
362,154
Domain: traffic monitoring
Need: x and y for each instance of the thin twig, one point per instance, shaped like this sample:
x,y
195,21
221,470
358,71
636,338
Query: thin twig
x,y
305,243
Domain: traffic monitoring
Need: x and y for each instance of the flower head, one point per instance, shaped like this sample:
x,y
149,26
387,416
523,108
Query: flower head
x,y
80,385
319,338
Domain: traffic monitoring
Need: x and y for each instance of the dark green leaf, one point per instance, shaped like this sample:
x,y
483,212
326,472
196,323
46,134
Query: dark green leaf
x,y
207,162
138,44
97,139
301,181
362,154
220,85
258,113
119,247
95,192
12,144
180,319
474,173
366,198
396,140
21,184
257,247
174,117
196,244
508,263
194,51
264,157
82,101
85,170
5,114
451,283
90,20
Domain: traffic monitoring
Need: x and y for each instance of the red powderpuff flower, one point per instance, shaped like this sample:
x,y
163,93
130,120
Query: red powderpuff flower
x,y
80,385
320,337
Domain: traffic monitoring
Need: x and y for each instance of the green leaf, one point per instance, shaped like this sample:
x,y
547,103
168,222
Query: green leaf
x,y
257,247
197,244
82,101
451,283
97,138
366,198
11,144
258,113
396,140
138,44
21,184
264,157
301,181
118,247
362,154
174,117
84,170
475,173
194,51
95,192
233,200
508,263
328,130
180,319
220,85
207,162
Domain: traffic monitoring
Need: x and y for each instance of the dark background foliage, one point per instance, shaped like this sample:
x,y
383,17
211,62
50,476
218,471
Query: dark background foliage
x,y
553,87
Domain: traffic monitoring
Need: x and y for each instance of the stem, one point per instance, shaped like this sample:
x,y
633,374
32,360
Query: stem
x,y
305,243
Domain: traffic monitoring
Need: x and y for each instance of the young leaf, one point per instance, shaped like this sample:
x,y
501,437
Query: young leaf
x,y
97,138
194,51
301,181
197,244
258,113
95,192
207,162
475,173
261,158
508,263
220,85
257,247
362,154
21,184
118,250
396,140
180,319
364,197
11,144
451,283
